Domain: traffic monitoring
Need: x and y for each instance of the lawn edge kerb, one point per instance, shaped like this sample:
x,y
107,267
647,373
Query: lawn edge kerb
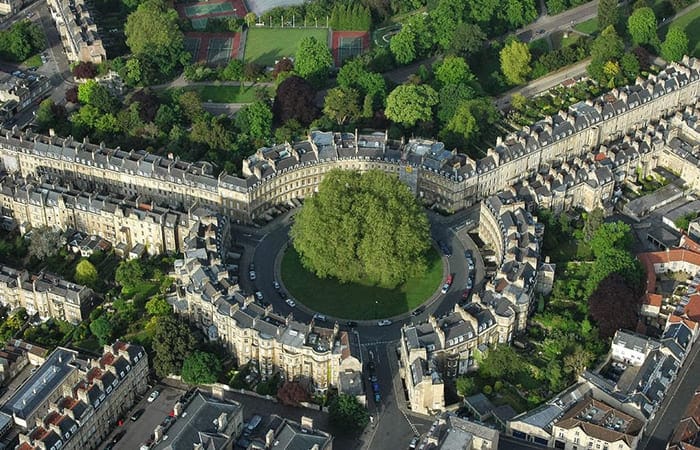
x,y
313,293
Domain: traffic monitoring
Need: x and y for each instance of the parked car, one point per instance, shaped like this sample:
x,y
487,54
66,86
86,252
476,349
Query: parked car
x,y
282,294
448,283
275,284
252,275
444,248
418,311
252,424
251,266
414,443
377,397
351,323
321,317
290,302
465,294
470,264
117,437
154,395
135,416
259,295
384,322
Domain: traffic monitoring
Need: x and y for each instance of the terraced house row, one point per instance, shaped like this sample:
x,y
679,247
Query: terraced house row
x,y
439,177
209,296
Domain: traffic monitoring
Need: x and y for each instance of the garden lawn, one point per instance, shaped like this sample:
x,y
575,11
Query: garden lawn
x,y
690,23
266,45
355,301
588,27
33,61
227,94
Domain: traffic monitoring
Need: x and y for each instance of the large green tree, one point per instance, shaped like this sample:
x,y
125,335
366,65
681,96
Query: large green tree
x,y
365,228
342,104
201,368
173,342
103,329
608,13
467,38
675,45
642,27
410,103
21,40
86,273
608,47
453,70
346,413
256,120
45,242
154,37
313,60
515,61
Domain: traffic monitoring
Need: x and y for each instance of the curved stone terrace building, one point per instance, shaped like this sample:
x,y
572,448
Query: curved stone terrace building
x,y
442,178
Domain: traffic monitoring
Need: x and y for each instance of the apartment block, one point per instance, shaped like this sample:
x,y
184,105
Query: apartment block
x,y
44,294
279,433
18,91
441,178
78,31
9,7
15,355
449,432
72,403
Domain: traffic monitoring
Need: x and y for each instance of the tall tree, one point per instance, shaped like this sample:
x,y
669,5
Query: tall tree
x,y
515,61
471,118
467,38
256,120
453,70
410,103
342,104
102,329
642,27
86,273
606,47
45,242
313,60
403,46
172,342
347,414
608,13
295,101
129,274
675,46
613,306
201,368
374,229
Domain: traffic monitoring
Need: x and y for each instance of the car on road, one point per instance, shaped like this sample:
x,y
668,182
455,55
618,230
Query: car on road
x,y
275,284
282,294
259,295
252,275
135,416
444,248
117,437
448,283
470,264
377,397
470,283
351,323
414,443
251,266
321,317
465,294
154,395
418,311
384,322
290,302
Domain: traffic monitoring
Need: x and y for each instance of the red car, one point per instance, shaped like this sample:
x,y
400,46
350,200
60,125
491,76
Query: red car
x,y
465,294
448,283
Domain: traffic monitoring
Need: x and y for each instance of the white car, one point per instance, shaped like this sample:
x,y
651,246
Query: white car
x,y
290,302
251,275
154,395
318,316
384,322
275,284
445,288
259,295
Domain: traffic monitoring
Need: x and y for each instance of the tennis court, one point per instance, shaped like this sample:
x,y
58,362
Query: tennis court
x,y
219,51
192,45
348,44
203,9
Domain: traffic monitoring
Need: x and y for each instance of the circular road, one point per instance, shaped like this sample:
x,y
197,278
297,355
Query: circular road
x,y
264,247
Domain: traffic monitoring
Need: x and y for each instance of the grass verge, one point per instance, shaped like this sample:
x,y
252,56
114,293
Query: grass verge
x,y
690,23
266,45
226,94
589,26
355,301
33,61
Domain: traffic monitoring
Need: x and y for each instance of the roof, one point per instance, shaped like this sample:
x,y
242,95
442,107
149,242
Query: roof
x,y
291,436
480,403
198,424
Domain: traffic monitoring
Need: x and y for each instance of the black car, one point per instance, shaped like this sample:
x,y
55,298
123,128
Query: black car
x,y
282,294
351,323
418,311
135,416
117,437
444,248
251,267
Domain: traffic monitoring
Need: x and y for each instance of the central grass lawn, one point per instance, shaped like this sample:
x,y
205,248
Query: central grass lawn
x,y
690,23
265,45
355,301
33,61
226,94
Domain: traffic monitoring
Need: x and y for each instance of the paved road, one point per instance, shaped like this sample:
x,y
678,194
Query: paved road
x,y
676,401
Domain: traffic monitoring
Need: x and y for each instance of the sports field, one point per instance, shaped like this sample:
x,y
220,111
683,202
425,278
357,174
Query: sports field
x,y
266,45
203,9
200,12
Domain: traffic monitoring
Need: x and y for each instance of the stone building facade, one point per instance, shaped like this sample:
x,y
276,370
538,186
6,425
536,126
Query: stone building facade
x,y
44,294
441,178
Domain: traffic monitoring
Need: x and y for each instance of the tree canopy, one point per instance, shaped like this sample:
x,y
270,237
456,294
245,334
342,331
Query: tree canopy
x,y
201,368
23,39
365,228
453,70
313,60
675,45
295,101
346,413
86,273
342,104
608,13
515,61
173,342
642,26
45,242
410,103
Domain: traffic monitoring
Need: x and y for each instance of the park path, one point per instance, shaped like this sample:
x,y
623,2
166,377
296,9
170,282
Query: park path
x,y
182,82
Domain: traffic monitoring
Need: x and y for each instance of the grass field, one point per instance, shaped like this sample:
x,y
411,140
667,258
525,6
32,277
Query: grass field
x,y
589,26
355,301
33,61
266,45
690,23
226,94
